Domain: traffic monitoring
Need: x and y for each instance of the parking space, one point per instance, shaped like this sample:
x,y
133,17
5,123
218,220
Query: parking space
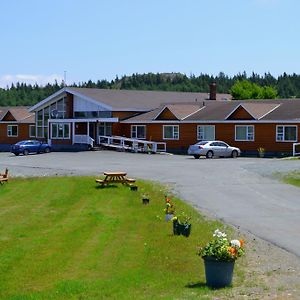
x,y
239,191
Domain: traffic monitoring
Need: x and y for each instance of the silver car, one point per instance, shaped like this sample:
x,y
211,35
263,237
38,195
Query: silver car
x,y
213,148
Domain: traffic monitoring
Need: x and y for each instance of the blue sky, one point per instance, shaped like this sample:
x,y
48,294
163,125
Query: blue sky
x,y
95,39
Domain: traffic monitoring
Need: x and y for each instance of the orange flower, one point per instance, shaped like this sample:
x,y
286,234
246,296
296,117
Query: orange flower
x,y
232,251
242,243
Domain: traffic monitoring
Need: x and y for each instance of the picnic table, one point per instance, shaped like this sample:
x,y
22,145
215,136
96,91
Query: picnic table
x,y
115,177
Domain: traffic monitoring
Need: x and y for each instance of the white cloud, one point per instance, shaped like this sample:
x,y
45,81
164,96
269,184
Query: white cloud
x,y
8,79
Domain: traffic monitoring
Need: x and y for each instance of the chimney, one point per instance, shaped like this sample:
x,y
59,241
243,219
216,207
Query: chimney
x,y
213,91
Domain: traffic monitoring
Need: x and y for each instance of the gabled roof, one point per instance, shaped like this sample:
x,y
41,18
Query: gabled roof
x,y
131,100
256,110
262,110
180,111
20,114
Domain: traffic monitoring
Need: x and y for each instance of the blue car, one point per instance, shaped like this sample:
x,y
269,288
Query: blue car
x,y
31,146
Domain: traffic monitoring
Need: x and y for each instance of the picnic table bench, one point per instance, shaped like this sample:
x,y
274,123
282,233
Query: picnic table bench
x,y
4,176
115,177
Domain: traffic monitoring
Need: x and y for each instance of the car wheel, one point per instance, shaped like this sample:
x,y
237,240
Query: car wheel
x,y
209,154
197,156
234,154
47,150
16,154
25,152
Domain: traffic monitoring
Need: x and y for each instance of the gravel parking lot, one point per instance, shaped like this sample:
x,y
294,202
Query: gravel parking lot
x,y
239,191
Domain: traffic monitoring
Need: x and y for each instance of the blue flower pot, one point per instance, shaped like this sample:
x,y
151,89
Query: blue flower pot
x,y
218,273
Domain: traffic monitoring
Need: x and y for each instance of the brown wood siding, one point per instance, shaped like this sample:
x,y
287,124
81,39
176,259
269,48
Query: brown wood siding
x,y
240,114
8,117
70,106
81,128
124,114
264,136
166,114
23,133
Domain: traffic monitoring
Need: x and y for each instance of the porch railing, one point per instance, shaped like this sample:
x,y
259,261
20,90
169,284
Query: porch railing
x,y
134,145
83,139
296,149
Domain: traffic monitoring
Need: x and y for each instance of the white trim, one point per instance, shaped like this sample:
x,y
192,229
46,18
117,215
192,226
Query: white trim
x,y
32,136
210,121
11,130
245,140
40,104
10,122
170,139
269,111
206,126
43,103
166,106
102,120
194,112
240,105
285,141
145,128
61,138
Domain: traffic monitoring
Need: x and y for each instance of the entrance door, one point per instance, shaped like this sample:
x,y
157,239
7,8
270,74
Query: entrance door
x,y
92,131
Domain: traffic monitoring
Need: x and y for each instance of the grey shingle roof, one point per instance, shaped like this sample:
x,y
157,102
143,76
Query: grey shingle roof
x,y
141,100
20,113
281,109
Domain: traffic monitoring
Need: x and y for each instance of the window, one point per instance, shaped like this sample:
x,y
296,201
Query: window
x,y
60,130
12,130
138,131
31,130
205,133
171,132
286,133
244,133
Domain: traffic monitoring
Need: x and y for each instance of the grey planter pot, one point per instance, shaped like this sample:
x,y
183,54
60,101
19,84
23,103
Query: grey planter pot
x,y
218,273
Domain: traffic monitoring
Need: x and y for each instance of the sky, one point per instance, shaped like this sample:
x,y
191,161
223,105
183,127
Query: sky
x,y
97,39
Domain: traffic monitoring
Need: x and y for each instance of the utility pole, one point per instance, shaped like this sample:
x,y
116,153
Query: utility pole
x,y
65,78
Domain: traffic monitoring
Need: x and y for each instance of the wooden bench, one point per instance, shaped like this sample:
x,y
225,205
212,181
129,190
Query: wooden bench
x,y
4,176
130,180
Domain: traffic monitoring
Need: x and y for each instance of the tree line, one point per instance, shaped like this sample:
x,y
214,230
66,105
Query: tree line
x,y
241,86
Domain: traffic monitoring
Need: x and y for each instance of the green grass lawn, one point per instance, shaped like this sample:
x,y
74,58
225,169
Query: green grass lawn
x,y
292,178
64,238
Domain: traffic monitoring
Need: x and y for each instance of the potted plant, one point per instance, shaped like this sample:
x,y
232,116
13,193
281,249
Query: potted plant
x,y
169,209
261,151
219,256
182,225
145,199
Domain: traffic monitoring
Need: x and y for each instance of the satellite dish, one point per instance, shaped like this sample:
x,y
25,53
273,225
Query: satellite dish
x,y
54,113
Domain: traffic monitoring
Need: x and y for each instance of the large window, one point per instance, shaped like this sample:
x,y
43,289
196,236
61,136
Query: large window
x,y
205,133
31,130
60,130
12,130
286,133
171,132
244,133
57,110
138,131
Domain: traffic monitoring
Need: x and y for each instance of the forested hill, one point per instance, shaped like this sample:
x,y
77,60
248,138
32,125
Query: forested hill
x,y
287,86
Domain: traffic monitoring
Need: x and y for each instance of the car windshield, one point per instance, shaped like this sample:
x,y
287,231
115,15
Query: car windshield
x,y
202,143
21,143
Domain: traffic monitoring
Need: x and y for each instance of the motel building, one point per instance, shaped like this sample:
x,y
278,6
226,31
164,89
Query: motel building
x,y
78,119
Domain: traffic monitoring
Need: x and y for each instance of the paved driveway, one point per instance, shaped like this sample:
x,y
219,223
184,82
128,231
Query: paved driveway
x,y
238,191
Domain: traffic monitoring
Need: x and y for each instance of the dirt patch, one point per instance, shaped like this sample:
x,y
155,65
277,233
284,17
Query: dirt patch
x,y
271,272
